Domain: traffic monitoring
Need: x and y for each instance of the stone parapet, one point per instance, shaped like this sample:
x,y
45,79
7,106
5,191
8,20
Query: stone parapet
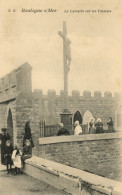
x,y
72,138
51,94
76,94
70,179
86,94
97,94
96,153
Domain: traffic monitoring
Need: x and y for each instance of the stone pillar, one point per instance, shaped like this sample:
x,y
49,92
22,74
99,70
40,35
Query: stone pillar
x,y
66,119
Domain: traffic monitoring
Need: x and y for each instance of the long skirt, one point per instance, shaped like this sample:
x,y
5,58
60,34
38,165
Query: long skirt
x,y
110,129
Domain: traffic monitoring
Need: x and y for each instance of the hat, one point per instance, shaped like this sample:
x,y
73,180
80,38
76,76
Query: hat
x,y
3,129
92,119
27,122
99,120
77,122
61,125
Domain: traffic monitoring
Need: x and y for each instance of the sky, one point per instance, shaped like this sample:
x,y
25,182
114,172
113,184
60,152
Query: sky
x,y
96,43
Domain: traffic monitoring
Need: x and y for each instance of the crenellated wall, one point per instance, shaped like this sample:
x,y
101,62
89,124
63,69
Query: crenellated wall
x,y
51,105
18,104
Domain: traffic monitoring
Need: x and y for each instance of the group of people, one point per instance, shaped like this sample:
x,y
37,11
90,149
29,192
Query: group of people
x,y
97,127
94,127
12,156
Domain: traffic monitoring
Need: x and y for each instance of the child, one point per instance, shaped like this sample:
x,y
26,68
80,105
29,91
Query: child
x,y
27,150
8,154
16,157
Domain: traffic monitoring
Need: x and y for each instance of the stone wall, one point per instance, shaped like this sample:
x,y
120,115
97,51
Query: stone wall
x,y
51,105
16,101
17,98
69,179
27,109
98,154
5,108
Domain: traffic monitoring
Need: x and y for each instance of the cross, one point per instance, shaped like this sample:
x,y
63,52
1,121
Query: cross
x,y
66,61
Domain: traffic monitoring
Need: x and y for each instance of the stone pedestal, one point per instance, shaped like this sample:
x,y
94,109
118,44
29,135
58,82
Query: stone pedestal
x,y
66,119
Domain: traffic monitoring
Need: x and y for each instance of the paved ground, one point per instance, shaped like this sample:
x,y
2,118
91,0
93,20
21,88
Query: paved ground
x,y
24,185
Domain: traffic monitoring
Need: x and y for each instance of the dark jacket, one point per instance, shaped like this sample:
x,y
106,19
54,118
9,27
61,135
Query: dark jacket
x,y
27,150
99,127
63,131
28,136
110,126
8,154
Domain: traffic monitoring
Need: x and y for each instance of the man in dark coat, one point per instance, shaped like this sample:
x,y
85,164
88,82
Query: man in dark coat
x,y
62,130
4,136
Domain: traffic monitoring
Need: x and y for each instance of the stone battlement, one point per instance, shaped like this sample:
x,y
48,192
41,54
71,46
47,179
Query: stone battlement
x,y
19,80
76,94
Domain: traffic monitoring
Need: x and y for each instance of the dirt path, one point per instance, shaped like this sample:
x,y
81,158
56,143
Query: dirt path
x,y
25,185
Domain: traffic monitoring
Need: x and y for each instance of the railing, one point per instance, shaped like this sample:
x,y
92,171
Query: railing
x,y
52,130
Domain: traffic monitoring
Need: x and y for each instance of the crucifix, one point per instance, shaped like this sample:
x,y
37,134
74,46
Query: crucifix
x,y
66,116
66,62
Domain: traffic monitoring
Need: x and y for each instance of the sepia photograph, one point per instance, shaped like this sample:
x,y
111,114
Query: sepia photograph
x,y
60,97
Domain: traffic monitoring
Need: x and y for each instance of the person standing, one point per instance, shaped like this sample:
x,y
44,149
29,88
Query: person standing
x,y
78,128
16,157
27,134
99,126
110,125
91,126
4,136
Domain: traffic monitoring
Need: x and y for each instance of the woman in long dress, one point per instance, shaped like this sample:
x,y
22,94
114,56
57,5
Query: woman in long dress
x,y
78,128
91,126
27,134
110,125
4,136
99,126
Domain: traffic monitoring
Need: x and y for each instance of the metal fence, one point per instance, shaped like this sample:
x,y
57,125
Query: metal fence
x,y
52,130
